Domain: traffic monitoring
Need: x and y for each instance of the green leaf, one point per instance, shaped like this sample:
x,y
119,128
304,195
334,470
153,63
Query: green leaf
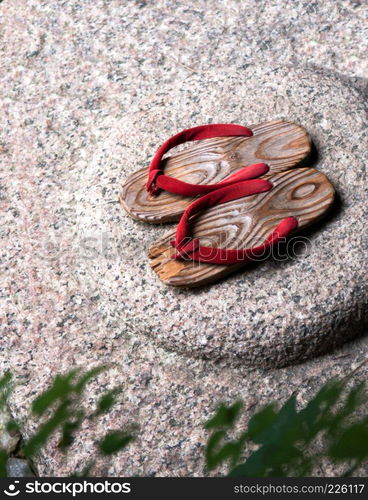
x,y
260,422
3,461
66,392
284,428
12,427
60,389
268,461
114,441
225,416
316,416
255,466
5,380
69,429
352,444
107,401
356,398
216,455
213,442
5,388
286,435
87,377
38,440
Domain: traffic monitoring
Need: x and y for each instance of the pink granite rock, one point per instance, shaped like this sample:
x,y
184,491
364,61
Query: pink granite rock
x,y
282,310
88,90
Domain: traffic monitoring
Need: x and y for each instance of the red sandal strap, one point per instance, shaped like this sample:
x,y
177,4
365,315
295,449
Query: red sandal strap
x,y
189,248
185,189
157,180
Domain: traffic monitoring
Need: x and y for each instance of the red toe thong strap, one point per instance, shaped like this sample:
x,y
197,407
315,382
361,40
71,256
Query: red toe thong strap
x,y
158,180
189,248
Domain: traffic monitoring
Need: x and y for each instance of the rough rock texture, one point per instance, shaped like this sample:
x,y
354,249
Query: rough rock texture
x,y
272,314
87,90
18,467
283,310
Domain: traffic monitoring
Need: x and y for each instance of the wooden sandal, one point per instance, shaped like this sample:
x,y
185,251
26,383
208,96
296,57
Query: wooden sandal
x,y
210,164
222,231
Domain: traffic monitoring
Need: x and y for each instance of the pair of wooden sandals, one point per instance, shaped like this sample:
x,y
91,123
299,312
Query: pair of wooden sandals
x,y
236,193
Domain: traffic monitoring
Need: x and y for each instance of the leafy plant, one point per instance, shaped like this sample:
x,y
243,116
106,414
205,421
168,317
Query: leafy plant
x,y
114,441
291,442
59,410
288,441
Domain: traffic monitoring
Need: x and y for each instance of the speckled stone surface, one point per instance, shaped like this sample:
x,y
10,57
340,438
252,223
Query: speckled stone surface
x,y
87,91
279,311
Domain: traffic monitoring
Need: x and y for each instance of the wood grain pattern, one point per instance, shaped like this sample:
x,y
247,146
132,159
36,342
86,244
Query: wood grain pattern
x,y
280,144
304,193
